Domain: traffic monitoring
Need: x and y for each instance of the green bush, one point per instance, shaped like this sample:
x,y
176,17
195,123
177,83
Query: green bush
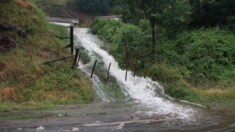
x,y
231,23
164,73
206,52
178,92
117,34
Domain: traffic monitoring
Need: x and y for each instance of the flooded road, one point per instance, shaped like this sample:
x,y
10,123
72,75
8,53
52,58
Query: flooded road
x,y
107,117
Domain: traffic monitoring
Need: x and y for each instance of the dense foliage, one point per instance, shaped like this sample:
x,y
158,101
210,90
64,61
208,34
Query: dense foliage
x,y
95,6
212,12
207,53
193,58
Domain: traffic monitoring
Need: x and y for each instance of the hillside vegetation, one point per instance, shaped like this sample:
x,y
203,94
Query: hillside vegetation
x,y
197,65
25,44
186,45
55,8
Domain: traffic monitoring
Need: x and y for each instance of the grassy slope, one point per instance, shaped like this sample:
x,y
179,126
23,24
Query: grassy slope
x,y
170,68
66,9
56,8
24,82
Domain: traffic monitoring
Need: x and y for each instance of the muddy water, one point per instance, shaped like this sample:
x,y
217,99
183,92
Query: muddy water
x,y
123,117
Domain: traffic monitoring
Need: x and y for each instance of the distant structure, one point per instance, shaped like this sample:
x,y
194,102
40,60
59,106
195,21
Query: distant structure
x,y
75,22
115,17
63,20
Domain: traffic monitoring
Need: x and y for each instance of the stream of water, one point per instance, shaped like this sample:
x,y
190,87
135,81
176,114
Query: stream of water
x,y
142,90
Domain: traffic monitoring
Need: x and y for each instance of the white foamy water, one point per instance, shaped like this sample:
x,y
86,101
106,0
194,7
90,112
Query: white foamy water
x,y
62,24
98,85
142,90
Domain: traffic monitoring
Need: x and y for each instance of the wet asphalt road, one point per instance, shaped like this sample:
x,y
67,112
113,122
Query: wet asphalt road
x,y
78,118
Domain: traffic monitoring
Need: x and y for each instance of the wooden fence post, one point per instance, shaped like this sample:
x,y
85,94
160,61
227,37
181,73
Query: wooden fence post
x,y
60,59
93,70
145,67
79,58
126,51
75,59
136,61
108,71
71,39
134,69
126,75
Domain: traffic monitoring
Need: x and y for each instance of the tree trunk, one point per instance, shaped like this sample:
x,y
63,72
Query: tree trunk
x,y
154,40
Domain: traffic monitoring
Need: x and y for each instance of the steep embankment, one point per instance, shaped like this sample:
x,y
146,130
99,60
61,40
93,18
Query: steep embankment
x,y
196,65
55,8
25,44
64,9
61,8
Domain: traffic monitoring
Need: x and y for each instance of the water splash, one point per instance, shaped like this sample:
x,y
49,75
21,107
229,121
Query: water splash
x,y
97,84
142,90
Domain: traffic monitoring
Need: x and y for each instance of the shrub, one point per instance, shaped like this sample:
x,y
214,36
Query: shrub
x,y
117,34
164,73
208,52
178,92
231,23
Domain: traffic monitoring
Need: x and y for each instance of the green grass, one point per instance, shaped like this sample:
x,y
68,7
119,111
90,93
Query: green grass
x,y
10,106
24,82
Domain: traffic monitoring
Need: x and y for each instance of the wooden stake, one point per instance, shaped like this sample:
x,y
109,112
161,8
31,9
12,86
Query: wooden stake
x,y
145,67
71,39
108,71
75,59
134,69
59,37
79,58
126,50
67,46
93,70
136,61
60,59
126,75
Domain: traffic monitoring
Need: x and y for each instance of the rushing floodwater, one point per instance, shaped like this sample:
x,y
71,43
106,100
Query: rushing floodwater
x,y
142,90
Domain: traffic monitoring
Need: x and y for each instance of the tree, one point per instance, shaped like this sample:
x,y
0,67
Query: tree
x,y
95,6
212,12
5,1
158,12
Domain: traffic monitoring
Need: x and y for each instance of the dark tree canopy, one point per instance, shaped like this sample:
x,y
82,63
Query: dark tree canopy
x,y
5,1
95,6
212,12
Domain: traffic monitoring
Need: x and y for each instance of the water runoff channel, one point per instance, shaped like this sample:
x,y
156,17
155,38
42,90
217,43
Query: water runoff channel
x,y
146,95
